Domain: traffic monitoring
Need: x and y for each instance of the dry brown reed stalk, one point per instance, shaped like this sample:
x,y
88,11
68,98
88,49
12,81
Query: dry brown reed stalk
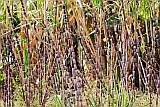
x,y
8,59
80,37
158,91
97,55
44,24
28,80
134,65
18,55
13,26
8,75
67,43
72,65
80,19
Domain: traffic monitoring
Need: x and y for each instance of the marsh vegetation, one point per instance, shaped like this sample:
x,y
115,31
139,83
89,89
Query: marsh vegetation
x,y
79,53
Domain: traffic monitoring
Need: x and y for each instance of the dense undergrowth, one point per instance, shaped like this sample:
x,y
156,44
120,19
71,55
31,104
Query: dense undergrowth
x,y
79,53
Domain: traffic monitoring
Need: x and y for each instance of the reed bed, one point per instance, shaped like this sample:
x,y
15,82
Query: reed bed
x,y
79,53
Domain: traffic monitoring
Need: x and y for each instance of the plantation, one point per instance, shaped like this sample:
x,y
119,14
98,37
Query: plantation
x,y
79,53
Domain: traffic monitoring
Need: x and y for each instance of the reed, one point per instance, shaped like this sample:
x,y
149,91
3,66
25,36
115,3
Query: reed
x,y
71,53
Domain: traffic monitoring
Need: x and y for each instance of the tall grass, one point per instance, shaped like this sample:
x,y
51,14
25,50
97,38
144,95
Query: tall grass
x,y
80,53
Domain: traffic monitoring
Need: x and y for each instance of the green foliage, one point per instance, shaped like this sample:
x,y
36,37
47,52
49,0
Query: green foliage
x,y
96,2
2,12
92,34
125,102
92,102
58,101
43,80
134,11
144,9
114,19
25,57
1,75
16,20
